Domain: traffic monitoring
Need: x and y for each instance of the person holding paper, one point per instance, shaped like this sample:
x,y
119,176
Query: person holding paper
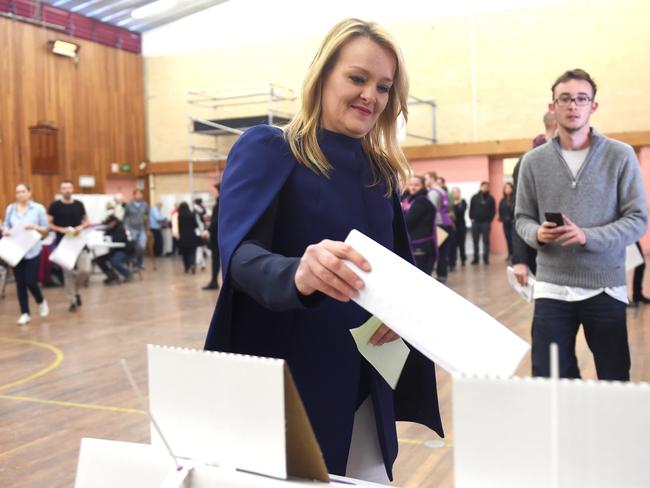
x,y
28,215
594,184
68,216
289,198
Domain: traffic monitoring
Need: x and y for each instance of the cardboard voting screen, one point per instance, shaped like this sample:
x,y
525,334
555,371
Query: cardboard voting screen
x,y
229,410
538,433
14,247
438,322
113,464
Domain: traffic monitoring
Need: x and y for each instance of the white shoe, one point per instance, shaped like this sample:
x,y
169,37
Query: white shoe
x,y
23,319
43,309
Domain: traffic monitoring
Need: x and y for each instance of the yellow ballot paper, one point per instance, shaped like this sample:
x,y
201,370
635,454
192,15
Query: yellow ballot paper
x,y
388,359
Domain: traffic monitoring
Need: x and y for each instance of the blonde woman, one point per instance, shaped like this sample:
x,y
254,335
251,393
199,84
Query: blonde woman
x,y
31,215
289,198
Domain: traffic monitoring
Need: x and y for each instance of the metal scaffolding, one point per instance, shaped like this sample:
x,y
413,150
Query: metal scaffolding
x,y
215,113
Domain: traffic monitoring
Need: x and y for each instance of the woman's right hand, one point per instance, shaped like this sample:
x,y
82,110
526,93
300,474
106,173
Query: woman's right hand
x,y
6,232
322,269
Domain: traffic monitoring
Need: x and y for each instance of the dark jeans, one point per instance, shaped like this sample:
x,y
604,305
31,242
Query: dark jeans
x,y
117,259
26,275
215,264
481,229
444,251
189,257
605,327
425,259
507,231
157,242
459,246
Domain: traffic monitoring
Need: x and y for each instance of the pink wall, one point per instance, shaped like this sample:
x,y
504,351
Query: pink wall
x,y
117,184
644,159
471,168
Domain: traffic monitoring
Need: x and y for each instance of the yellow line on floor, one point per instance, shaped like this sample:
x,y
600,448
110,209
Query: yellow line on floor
x,y
89,406
58,359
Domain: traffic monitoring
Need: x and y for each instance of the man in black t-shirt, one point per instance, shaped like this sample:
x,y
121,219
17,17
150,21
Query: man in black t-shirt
x,y
68,216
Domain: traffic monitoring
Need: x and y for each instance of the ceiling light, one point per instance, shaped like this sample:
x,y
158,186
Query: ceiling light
x,y
153,8
64,48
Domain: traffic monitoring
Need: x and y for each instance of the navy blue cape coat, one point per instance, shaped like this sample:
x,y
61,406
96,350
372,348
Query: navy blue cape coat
x,y
316,342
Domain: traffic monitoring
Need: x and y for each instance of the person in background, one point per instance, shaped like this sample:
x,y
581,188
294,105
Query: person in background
x,y
482,209
119,206
135,221
68,216
188,238
438,196
637,282
420,217
29,215
211,235
114,262
581,277
458,207
506,215
200,212
523,256
156,222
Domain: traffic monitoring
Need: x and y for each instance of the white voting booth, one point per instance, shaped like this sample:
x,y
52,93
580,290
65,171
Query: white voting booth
x,y
541,433
239,421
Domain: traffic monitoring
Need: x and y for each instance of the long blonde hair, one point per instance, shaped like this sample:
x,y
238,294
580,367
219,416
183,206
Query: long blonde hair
x,y
380,144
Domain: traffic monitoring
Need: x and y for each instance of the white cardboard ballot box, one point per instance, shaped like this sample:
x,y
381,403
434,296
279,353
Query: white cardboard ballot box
x,y
238,420
541,433
113,464
232,410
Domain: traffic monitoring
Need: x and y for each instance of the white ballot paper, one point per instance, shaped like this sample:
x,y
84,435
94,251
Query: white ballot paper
x,y
388,359
68,250
14,247
633,257
438,322
526,292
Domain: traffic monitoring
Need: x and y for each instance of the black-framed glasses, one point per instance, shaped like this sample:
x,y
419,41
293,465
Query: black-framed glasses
x,y
565,100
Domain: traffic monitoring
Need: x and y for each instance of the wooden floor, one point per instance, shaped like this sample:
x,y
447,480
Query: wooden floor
x,y
60,378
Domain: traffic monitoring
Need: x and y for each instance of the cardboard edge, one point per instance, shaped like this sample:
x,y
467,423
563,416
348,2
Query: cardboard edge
x,y
304,457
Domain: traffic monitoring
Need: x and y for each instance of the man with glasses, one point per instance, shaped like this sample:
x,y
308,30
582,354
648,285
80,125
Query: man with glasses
x,y
595,186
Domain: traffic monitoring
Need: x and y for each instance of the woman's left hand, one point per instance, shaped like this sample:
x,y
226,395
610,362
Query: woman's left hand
x,y
383,335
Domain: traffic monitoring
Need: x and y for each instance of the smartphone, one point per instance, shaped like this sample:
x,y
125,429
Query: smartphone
x,y
554,217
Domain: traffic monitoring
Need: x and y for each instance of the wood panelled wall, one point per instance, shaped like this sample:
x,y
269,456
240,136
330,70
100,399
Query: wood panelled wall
x,y
97,105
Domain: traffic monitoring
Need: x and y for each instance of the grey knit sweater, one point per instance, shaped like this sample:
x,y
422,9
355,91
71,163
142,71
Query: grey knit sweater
x,y
606,199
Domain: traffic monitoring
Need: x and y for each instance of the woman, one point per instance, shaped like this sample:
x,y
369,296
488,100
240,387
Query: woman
x,y
187,235
459,207
420,216
288,201
507,214
31,216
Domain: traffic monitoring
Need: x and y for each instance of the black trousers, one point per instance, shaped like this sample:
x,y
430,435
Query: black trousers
x,y
444,251
216,264
189,257
605,325
637,279
481,229
459,247
26,275
157,242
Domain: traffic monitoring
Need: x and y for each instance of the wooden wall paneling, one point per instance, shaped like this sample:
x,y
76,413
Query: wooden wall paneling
x,y
97,106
